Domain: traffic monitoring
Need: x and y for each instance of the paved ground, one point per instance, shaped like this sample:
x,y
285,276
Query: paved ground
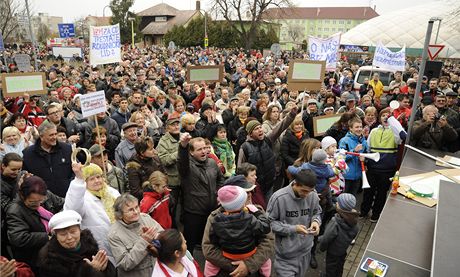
x,y
355,252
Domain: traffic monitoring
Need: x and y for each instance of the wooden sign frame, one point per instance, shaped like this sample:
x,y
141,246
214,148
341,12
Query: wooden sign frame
x,y
198,67
44,89
305,84
316,133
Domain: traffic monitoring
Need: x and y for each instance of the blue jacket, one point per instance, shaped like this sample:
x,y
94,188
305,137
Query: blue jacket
x,y
323,173
349,142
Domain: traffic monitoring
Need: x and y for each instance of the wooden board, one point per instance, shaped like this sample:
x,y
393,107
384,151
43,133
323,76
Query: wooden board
x,y
404,187
208,73
16,84
306,74
322,123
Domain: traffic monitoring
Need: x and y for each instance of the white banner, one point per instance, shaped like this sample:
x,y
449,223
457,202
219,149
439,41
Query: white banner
x,y
389,60
324,50
104,44
93,103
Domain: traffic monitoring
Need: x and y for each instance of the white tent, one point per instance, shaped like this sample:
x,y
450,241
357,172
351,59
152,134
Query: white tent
x,y
408,26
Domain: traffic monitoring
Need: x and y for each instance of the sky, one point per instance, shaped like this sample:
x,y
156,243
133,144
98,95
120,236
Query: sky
x,y
74,9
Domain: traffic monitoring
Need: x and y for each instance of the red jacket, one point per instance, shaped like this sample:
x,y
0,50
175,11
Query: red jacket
x,y
35,117
157,206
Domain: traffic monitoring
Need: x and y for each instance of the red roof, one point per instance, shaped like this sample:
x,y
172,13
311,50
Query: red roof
x,y
321,13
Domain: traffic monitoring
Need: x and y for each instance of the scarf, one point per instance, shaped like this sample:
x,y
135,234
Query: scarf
x,y
45,217
225,151
107,200
299,135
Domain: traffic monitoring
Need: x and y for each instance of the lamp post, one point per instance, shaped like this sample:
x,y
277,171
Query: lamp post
x,y
32,36
429,30
132,30
103,10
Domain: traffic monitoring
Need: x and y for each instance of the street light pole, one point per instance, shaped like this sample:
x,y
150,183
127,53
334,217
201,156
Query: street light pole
x,y
32,36
437,33
429,30
206,41
132,31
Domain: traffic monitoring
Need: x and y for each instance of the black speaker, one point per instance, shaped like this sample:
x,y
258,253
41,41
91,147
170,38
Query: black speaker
x,y
433,69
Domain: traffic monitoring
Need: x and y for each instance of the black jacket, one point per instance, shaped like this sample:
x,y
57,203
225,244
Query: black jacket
x,y
139,171
56,261
55,168
339,233
200,181
336,132
290,146
232,129
120,118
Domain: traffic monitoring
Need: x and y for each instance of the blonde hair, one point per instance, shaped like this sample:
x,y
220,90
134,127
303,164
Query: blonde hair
x,y
243,109
187,118
11,130
134,116
370,110
297,120
157,178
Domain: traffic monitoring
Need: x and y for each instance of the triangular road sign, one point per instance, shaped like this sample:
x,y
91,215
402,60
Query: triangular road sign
x,y
433,50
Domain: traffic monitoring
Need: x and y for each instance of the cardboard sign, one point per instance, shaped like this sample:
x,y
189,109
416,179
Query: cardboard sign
x,y
16,84
104,44
93,103
306,74
23,62
323,122
208,73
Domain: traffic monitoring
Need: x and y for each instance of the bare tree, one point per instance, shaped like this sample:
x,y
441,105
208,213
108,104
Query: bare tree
x,y
43,33
9,9
295,32
245,16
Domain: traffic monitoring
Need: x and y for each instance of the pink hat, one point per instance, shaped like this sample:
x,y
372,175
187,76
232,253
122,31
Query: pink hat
x,y
232,198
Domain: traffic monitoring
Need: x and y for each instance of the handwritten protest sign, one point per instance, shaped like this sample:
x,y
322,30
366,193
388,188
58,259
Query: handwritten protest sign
x,y
389,60
209,73
16,84
324,50
104,44
93,103
23,62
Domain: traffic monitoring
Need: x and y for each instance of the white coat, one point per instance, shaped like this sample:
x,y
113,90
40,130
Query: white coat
x,y
92,212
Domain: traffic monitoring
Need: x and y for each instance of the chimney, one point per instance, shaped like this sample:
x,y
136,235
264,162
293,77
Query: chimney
x,y
375,8
317,11
365,11
197,5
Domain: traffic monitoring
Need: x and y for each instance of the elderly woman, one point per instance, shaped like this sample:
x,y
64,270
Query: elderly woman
x,y
93,199
143,127
141,165
72,252
27,220
12,142
28,132
173,259
131,237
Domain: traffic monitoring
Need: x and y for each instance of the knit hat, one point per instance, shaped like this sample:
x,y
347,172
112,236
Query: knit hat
x,y
251,126
91,170
205,107
312,101
232,198
327,141
239,181
64,219
319,156
346,201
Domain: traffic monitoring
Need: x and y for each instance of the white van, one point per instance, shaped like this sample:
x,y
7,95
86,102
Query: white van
x,y
365,72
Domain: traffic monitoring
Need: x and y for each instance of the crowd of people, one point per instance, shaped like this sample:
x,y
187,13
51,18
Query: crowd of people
x,y
234,168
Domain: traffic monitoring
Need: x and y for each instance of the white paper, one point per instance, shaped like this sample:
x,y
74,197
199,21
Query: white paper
x,y
104,44
93,103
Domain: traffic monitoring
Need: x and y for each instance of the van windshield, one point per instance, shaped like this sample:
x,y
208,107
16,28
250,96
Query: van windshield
x,y
385,77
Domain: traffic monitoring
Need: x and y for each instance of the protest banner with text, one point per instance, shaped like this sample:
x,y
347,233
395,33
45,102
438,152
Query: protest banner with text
x,y
104,44
325,50
93,103
389,60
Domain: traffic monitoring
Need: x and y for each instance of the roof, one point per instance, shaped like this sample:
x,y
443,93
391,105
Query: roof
x,y
161,28
159,10
321,13
408,27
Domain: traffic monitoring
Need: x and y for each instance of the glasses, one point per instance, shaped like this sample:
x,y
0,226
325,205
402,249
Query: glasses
x,y
53,113
131,210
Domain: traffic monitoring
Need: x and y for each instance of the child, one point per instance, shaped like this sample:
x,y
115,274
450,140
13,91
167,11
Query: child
x,y
224,151
237,230
61,134
354,141
156,199
340,232
337,161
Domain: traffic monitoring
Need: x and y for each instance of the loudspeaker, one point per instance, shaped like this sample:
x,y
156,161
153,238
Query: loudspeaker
x,y
433,69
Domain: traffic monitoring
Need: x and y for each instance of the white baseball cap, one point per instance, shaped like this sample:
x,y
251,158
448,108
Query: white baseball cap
x,y
64,219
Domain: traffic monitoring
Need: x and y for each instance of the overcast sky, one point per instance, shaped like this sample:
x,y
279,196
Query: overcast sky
x,y
73,9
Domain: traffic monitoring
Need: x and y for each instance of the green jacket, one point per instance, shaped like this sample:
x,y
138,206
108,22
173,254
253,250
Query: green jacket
x,y
167,149
116,178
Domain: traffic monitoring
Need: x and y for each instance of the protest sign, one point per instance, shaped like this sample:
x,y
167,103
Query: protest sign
x,y
104,44
389,60
322,123
209,73
23,62
306,74
16,84
93,103
67,52
324,50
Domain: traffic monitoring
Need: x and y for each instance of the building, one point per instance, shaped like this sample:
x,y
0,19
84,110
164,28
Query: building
x,y
41,19
156,21
297,23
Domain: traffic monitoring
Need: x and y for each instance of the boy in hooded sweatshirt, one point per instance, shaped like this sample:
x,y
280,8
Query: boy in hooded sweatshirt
x,y
339,234
354,141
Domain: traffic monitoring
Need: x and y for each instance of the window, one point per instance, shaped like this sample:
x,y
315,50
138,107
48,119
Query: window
x,y
326,21
340,29
326,29
320,29
341,22
312,29
349,22
334,22
333,29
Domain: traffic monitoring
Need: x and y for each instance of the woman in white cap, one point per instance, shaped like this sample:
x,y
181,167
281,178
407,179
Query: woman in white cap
x,y
93,199
72,252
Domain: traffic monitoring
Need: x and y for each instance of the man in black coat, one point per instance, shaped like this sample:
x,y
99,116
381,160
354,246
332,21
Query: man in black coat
x,y
50,160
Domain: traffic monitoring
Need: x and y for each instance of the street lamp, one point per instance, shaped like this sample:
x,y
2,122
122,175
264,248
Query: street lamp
x,y
132,30
103,10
